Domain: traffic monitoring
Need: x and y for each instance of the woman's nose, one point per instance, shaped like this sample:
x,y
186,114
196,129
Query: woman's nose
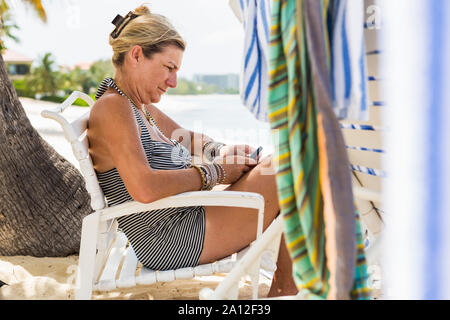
x,y
172,80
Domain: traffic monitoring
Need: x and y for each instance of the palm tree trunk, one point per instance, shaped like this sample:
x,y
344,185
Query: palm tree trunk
x,y
42,196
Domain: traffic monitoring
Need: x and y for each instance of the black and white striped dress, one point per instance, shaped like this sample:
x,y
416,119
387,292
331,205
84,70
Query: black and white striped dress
x,y
163,239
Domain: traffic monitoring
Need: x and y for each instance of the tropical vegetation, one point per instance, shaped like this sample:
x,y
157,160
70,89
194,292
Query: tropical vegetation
x,y
186,86
7,24
48,81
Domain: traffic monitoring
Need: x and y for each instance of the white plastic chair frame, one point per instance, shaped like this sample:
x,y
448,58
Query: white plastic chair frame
x,y
104,252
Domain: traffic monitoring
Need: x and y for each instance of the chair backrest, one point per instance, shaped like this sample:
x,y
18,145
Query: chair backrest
x,y
364,140
76,134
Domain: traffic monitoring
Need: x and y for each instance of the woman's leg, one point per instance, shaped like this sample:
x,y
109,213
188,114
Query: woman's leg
x,y
283,284
230,229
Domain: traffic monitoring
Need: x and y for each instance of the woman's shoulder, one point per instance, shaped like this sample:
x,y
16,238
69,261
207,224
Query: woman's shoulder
x,y
110,106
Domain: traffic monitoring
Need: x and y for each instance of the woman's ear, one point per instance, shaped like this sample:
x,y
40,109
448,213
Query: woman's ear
x,y
135,54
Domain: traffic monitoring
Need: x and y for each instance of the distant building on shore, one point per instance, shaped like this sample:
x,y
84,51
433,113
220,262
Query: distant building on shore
x,y
221,81
17,64
85,66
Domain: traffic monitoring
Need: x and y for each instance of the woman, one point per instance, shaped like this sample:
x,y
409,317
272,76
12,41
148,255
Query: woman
x,y
134,158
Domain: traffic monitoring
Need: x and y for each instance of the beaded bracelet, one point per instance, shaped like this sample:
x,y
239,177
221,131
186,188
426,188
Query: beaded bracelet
x,y
208,177
202,174
222,173
219,173
212,174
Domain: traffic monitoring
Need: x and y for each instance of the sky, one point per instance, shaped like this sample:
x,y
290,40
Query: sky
x,y
77,31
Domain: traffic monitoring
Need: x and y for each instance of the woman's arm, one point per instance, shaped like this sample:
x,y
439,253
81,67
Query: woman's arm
x,y
193,141
115,126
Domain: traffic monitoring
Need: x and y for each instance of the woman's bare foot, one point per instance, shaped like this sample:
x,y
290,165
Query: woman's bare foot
x,y
283,283
285,287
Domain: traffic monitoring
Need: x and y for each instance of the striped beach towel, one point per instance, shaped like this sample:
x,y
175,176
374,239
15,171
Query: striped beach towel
x,y
302,152
349,70
255,15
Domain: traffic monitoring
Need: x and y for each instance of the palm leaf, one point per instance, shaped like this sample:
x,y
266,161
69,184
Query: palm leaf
x,y
38,8
36,5
6,24
3,7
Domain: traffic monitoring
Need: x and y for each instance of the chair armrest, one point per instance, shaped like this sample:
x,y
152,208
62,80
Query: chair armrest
x,y
195,198
56,114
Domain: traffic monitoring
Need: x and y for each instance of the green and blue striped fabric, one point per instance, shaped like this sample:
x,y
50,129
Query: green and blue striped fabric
x,y
293,118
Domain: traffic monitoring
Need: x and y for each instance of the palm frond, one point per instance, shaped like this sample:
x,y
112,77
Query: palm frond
x,y
38,8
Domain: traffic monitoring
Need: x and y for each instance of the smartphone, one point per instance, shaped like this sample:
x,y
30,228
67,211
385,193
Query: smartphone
x,y
255,155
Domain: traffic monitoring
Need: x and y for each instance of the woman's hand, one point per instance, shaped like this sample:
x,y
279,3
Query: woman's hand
x,y
236,150
235,167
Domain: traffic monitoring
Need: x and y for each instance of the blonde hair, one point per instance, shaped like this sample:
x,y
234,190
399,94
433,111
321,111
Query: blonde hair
x,y
153,32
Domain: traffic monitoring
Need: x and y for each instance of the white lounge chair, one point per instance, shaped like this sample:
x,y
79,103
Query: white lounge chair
x,y
107,262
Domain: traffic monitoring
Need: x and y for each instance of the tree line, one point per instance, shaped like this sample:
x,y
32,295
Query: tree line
x,y
50,82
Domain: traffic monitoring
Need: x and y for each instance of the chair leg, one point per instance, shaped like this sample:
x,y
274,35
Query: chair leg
x,y
253,272
86,263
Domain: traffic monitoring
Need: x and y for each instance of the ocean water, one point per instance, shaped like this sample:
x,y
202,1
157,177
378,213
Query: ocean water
x,y
222,117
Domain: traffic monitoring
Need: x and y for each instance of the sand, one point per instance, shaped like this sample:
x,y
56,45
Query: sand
x,y
33,278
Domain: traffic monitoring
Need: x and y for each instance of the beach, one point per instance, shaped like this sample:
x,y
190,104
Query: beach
x,y
220,116
31,278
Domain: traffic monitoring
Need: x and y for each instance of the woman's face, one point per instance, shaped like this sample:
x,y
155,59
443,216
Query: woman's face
x,y
159,73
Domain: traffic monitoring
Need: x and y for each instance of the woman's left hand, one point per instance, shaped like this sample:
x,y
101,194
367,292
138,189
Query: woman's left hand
x,y
236,150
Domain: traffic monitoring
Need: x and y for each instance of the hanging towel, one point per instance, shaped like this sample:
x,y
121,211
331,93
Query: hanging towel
x,y
299,81
349,68
255,15
336,184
